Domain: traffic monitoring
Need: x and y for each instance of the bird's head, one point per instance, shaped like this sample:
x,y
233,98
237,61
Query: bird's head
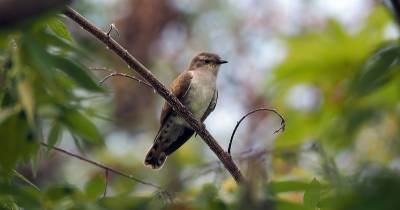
x,y
206,61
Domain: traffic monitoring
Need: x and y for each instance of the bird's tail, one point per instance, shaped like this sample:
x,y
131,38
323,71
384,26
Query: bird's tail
x,y
155,157
168,139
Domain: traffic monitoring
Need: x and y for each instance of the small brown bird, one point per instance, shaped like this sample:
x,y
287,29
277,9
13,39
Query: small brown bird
x,y
196,89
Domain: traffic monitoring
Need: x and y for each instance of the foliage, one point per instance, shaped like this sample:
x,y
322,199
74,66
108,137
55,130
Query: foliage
x,y
40,78
355,78
348,93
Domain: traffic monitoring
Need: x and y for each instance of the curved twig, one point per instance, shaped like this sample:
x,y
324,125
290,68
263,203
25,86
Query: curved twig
x,y
282,128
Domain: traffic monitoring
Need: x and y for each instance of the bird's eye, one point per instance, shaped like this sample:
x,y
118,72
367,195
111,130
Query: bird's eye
x,y
207,61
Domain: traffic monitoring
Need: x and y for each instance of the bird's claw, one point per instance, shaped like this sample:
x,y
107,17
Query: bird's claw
x,y
203,127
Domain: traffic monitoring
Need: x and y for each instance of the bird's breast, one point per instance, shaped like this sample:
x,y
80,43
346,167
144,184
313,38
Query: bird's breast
x,y
201,92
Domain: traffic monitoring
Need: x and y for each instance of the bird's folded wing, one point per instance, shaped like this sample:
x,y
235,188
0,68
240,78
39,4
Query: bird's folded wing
x,y
179,87
211,106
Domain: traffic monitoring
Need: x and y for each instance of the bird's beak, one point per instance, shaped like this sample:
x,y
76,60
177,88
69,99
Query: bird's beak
x,y
222,61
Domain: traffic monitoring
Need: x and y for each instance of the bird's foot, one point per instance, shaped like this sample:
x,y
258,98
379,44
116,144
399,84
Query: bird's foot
x,y
203,127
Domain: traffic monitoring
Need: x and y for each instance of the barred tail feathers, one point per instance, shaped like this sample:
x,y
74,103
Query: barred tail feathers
x,y
169,138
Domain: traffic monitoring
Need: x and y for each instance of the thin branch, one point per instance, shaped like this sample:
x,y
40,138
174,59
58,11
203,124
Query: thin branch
x,y
114,73
281,128
161,90
118,74
99,165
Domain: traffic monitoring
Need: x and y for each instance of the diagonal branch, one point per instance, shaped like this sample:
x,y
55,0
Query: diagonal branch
x,y
160,89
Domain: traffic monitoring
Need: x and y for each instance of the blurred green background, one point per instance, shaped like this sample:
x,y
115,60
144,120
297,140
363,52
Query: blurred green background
x,y
330,67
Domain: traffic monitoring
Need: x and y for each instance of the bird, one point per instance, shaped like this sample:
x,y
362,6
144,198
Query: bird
x,y
196,89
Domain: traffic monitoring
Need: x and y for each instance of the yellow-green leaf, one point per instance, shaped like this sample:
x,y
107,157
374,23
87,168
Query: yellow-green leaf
x,y
27,98
59,28
95,187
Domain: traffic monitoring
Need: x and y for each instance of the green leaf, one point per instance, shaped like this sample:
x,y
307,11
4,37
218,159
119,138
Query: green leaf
x,y
81,126
27,99
23,178
4,41
379,69
50,39
26,197
208,192
35,55
76,72
8,204
312,195
95,187
55,193
78,143
18,142
59,28
285,205
5,113
55,134
351,121
124,201
287,186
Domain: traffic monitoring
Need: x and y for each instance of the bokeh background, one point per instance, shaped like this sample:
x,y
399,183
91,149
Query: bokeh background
x,y
330,67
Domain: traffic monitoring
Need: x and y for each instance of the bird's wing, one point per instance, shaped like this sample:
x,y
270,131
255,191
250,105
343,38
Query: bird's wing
x,y
211,106
186,134
179,87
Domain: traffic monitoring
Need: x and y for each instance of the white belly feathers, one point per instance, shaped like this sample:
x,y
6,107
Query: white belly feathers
x,y
201,92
